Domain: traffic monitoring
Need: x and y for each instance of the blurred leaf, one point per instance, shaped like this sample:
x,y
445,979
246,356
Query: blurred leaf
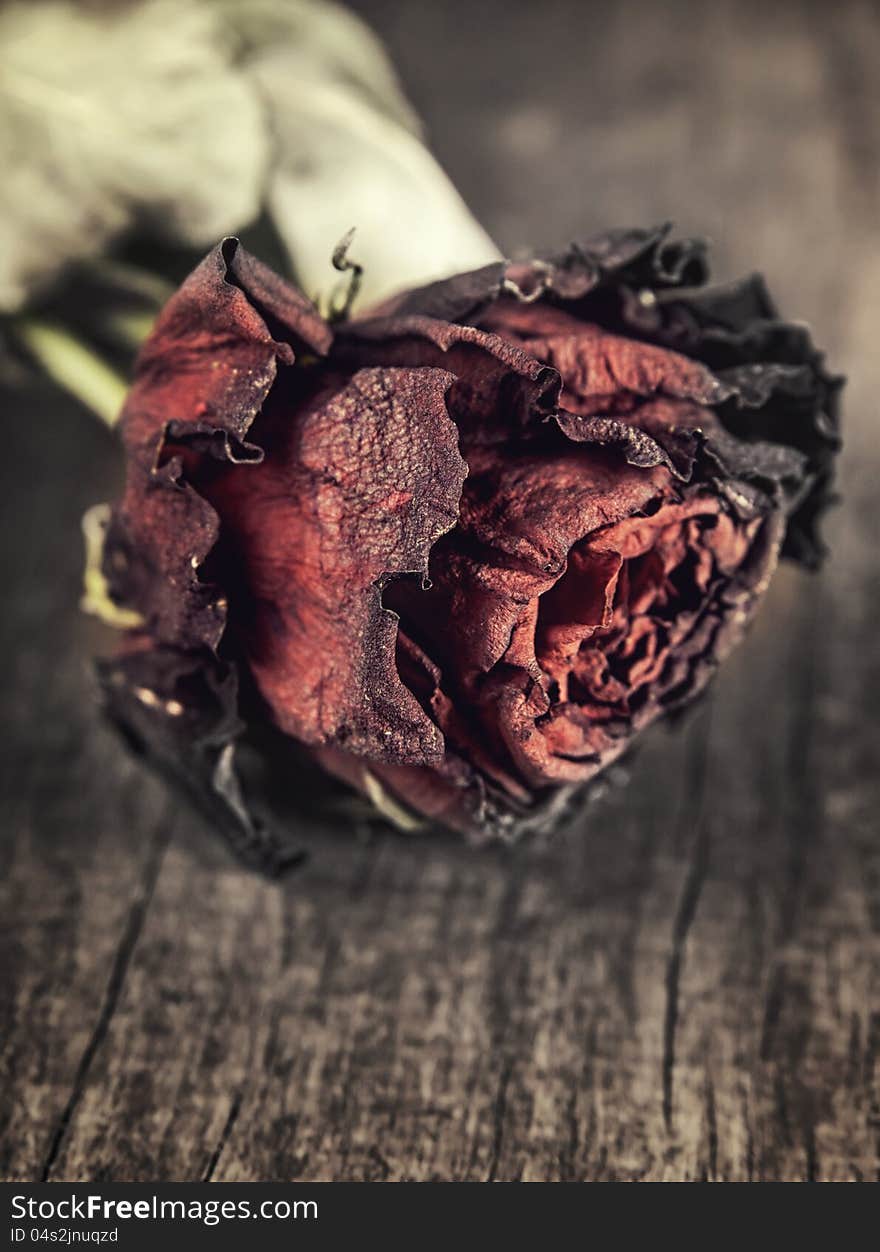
x,y
113,116
343,162
174,122
96,599
328,38
73,364
389,807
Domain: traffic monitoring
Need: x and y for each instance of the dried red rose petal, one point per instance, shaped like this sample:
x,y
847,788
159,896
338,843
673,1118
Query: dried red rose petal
x,y
462,550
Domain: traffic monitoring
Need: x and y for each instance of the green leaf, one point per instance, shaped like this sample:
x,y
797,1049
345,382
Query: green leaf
x,y
113,116
72,364
349,153
96,598
326,38
342,164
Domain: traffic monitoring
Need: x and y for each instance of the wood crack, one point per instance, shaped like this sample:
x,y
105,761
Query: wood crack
x,y
499,1113
228,1126
687,911
115,983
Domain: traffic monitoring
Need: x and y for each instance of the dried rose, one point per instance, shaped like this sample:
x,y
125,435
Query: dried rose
x,y
460,551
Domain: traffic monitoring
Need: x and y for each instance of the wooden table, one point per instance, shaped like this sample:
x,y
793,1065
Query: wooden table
x,y
687,987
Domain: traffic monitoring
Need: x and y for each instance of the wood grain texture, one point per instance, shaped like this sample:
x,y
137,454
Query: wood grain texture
x,y
687,986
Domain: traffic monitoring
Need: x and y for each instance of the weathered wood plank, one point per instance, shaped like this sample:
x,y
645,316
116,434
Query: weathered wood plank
x,y
83,829
687,986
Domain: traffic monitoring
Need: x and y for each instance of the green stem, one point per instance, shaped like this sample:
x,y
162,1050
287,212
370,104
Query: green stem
x,y
133,279
73,365
129,328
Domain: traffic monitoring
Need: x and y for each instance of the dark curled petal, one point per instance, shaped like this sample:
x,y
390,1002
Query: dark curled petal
x,y
213,353
200,380
601,369
694,446
780,470
449,792
676,449
180,711
781,389
642,285
157,540
498,389
451,299
795,408
643,258
753,386
570,275
358,488
288,315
